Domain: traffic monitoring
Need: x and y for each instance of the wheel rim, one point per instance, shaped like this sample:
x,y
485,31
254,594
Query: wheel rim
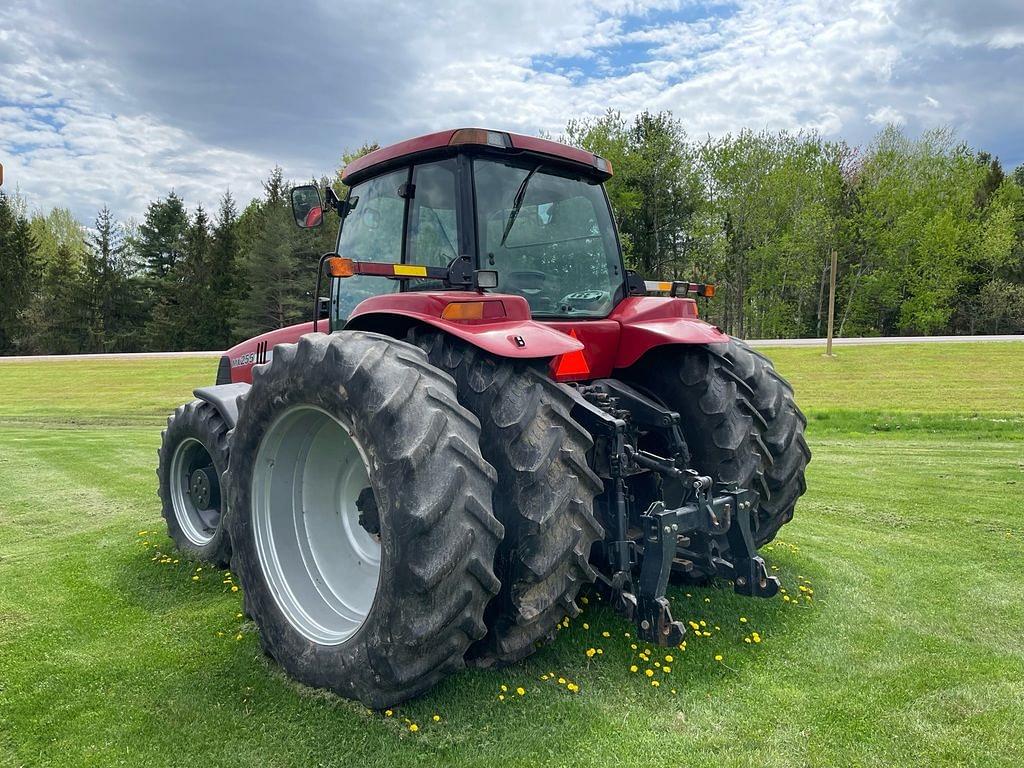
x,y
195,492
321,565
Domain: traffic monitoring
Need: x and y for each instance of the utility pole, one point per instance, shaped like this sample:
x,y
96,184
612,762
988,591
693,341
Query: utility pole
x,y
831,302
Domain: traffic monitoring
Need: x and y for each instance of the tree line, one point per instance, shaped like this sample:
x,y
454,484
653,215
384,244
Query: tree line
x,y
929,235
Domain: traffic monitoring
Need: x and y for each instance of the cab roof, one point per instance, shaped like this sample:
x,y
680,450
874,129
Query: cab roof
x,y
500,142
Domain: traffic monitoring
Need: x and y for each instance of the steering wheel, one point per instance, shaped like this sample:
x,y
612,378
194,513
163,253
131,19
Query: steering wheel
x,y
531,284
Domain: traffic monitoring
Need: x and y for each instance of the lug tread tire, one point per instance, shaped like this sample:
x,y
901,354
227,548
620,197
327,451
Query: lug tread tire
x,y
544,496
740,421
433,488
202,421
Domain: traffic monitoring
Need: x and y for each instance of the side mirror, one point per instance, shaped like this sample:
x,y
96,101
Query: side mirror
x,y
323,307
307,207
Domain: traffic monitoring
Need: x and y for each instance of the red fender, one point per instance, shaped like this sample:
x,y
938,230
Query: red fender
x,y
507,331
260,349
653,321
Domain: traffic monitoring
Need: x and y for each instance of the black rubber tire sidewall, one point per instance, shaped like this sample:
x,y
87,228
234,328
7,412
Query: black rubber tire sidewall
x,y
202,422
433,489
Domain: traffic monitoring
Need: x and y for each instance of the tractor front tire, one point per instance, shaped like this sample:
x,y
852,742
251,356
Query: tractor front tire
x,y
360,517
740,421
544,496
193,455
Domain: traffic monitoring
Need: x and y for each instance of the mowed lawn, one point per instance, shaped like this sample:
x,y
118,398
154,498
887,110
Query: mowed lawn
x,y
904,647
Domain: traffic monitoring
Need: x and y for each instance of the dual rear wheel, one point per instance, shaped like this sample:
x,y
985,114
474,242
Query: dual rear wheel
x,y
384,535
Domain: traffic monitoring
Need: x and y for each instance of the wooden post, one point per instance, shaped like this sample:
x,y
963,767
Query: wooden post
x,y
831,302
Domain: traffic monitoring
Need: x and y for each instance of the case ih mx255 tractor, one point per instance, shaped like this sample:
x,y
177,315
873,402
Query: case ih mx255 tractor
x,y
488,414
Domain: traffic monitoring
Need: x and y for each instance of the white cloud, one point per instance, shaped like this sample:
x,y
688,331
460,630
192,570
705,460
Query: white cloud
x,y
118,104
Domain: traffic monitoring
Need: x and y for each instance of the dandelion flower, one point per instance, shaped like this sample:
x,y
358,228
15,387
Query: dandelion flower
x,y
195,578
501,697
234,588
504,689
649,672
668,658
590,652
521,691
561,681
718,657
573,687
388,713
238,636
703,623
584,600
666,669
606,634
414,727
633,646
743,619
655,683
633,667
543,677
585,625
437,718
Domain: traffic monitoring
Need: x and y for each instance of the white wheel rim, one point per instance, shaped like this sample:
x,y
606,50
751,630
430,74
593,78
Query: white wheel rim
x,y
321,565
198,522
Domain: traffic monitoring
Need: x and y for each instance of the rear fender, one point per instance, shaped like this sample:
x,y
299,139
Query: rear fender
x,y
260,349
515,335
655,321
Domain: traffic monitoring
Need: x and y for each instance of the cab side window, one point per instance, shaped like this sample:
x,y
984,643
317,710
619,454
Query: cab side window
x,y
433,227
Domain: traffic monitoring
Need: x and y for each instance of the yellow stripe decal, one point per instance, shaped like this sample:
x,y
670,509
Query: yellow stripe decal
x,y
410,270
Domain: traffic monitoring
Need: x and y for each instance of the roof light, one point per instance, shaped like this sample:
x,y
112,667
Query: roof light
x,y
602,165
473,310
480,136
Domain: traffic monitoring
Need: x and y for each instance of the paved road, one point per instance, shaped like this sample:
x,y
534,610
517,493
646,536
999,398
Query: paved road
x,y
754,342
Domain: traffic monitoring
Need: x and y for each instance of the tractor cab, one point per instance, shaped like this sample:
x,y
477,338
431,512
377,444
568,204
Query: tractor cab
x,y
531,213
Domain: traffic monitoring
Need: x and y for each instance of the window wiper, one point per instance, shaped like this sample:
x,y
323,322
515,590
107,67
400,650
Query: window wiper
x,y
517,203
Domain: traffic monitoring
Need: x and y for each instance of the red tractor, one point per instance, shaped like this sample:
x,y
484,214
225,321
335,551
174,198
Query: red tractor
x,y
487,414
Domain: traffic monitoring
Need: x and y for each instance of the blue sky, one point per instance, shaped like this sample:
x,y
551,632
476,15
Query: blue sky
x,y
118,102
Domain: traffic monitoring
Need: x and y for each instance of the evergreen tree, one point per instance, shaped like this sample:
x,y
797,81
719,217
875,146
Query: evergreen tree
x,y
162,235
221,275
17,252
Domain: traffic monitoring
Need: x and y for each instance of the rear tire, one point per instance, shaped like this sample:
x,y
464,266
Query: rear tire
x,y
740,422
193,455
428,498
544,496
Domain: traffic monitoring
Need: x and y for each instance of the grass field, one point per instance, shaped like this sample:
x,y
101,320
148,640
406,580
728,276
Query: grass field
x,y
911,651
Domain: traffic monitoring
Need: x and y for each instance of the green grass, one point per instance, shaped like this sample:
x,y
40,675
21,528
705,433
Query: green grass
x,y
910,653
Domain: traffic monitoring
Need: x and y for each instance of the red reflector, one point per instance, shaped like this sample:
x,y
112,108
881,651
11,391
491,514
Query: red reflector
x,y
572,365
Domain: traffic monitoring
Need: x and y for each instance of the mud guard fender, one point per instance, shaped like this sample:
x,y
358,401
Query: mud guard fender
x,y
513,335
223,397
655,321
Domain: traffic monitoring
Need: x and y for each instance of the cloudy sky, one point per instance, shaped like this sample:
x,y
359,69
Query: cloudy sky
x,y
119,101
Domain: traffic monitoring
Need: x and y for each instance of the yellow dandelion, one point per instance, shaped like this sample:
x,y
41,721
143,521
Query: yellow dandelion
x,y
388,713
220,634
585,625
521,691
573,687
584,600
414,727
625,634
561,681
437,718
666,669
234,588
743,619
655,683
590,652
657,663
668,658
238,636
501,697
543,677
746,639
649,672
633,667
718,657
694,624
504,689
707,599
600,651
606,634
703,623
633,646
195,578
